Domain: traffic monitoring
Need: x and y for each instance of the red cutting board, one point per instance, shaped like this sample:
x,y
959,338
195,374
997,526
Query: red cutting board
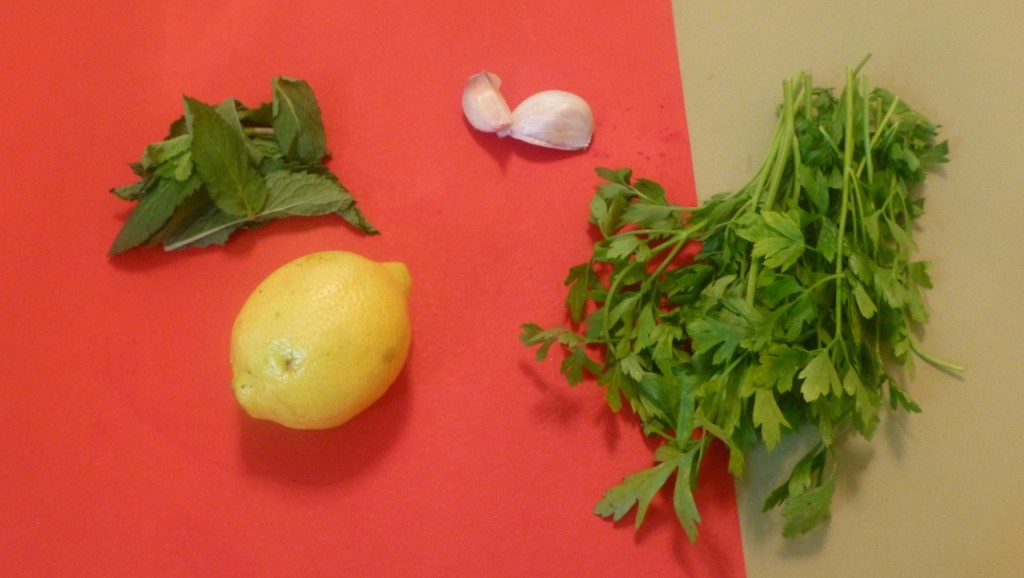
x,y
123,450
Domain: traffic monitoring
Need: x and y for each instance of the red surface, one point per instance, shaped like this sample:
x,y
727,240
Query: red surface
x,y
123,450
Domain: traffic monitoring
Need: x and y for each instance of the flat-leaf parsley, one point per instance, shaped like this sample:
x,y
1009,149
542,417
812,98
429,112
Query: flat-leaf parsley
x,y
798,309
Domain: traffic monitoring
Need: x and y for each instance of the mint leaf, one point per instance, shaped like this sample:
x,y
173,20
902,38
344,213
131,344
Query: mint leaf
x,y
222,160
134,190
158,153
213,227
152,212
297,121
222,168
355,217
307,194
231,110
290,194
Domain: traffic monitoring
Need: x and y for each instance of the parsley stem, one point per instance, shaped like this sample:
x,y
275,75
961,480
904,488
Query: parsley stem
x,y
648,233
782,145
866,125
885,121
612,290
848,176
680,242
758,183
803,294
936,361
800,296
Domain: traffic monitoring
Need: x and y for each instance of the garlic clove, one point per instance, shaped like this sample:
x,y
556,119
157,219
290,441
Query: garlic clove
x,y
484,106
555,119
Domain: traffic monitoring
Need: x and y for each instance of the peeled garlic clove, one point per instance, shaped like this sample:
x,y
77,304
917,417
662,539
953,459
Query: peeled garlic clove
x,y
555,119
484,106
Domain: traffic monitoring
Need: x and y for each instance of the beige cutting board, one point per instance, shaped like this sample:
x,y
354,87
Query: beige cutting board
x,y
940,493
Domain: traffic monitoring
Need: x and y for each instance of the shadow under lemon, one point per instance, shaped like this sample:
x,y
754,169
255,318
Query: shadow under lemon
x,y
328,456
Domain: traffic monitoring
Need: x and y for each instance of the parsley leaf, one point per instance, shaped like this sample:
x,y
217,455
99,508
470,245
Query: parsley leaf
x,y
819,377
639,489
800,293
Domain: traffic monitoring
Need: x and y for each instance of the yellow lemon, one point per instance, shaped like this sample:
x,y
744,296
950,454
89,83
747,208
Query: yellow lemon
x,y
321,339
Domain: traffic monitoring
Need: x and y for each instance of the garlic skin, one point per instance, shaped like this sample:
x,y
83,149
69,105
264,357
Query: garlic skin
x,y
552,118
555,119
483,104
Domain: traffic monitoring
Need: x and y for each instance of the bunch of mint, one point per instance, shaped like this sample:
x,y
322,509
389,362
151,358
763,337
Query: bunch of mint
x,y
227,167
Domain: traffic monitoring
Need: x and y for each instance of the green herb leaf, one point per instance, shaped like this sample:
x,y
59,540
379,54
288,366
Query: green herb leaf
x,y
819,377
864,301
357,219
297,121
801,291
776,237
222,168
779,364
222,160
638,489
768,416
806,510
152,212
722,336
683,501
212,227
306,194
161,152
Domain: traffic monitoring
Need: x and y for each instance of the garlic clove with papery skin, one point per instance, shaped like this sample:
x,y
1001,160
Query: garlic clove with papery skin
x,y
555,119
483,104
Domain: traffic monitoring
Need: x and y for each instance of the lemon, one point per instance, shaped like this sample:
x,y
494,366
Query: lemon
x,y
321,339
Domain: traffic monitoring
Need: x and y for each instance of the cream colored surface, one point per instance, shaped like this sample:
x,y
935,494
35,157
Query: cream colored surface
x,y
940,493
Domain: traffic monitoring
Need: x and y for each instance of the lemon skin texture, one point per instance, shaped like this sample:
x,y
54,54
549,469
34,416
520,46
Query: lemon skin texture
x,y
321,339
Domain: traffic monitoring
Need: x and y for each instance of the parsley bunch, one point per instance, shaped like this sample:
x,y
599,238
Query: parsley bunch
x,y
798,310
226,167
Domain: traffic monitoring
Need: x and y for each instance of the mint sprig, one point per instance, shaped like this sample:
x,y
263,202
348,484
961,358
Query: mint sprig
x,y
228,167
